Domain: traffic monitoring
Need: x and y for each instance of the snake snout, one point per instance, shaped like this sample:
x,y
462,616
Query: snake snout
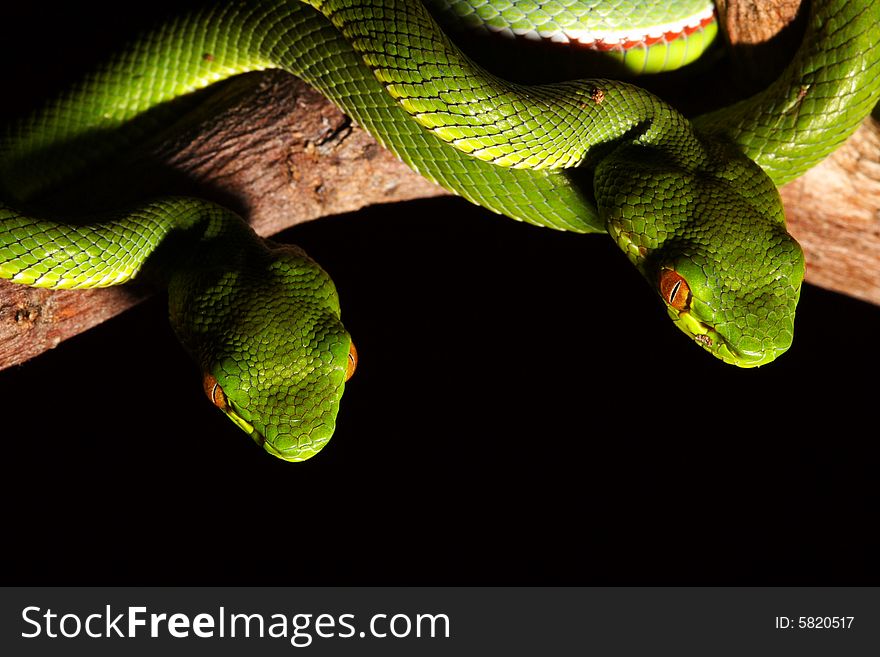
x,y
747,352
756,358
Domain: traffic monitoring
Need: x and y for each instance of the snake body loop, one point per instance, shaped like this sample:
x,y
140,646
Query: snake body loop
x,y
624,38
693,205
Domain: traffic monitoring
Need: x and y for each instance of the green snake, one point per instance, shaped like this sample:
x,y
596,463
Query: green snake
x,y
693,204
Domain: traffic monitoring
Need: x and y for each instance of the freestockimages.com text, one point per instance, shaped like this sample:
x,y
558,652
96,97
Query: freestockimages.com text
x,y
300,629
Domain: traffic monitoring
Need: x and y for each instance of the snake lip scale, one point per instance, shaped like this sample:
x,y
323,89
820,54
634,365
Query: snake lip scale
x,y
692,203
709,338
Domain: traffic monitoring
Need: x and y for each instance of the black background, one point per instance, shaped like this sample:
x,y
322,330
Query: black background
x,y
524,413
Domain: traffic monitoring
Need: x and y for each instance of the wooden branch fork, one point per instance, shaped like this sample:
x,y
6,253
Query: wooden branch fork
x,y
287,156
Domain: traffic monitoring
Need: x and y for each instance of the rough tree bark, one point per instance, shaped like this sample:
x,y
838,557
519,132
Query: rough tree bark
x,y
283,155
276,151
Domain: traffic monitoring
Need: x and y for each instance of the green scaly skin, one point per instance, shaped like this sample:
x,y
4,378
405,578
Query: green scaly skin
x,y
260,319
631,35
586,156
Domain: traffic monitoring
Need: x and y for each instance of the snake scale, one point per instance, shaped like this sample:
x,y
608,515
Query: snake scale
x,y
692,204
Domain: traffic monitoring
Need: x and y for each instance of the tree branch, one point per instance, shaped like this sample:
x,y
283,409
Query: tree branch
x,y
276,165
281,166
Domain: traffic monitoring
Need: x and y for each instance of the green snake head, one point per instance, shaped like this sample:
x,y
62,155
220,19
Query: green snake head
x,y
273,352
711,240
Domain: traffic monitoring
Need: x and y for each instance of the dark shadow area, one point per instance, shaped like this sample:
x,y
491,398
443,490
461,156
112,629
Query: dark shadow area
x,y
523,412
752,67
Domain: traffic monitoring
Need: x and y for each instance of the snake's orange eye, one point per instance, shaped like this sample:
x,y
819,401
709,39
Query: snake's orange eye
x,y
352,362
674,289
215,392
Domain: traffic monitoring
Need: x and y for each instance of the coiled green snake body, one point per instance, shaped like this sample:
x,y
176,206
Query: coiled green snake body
x,y
693,204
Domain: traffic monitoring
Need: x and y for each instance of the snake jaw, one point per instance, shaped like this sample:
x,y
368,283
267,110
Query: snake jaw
x,y
265,437
244,425
260,439
715,343
702,333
